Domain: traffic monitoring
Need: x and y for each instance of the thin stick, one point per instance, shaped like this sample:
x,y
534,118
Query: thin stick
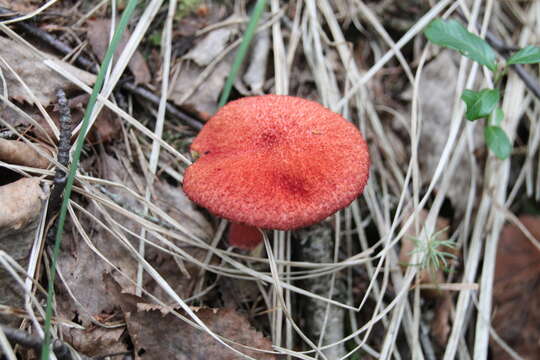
x,y
64,146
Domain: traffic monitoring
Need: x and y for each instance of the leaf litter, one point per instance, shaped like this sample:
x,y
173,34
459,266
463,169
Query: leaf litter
x,y
119,321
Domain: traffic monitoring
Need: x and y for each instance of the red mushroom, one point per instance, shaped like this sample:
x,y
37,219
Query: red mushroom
x,y
244,237
277,162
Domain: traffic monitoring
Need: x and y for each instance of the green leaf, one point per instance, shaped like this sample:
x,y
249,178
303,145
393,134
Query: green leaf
x,y
453,35
498,141
496,117
527,55
480,103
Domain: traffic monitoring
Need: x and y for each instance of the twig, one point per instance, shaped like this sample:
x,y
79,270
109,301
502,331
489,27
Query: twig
x,y
64,145
19,337
91,66
154,99
504,50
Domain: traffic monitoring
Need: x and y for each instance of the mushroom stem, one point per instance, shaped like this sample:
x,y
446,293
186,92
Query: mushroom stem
x,y
245,237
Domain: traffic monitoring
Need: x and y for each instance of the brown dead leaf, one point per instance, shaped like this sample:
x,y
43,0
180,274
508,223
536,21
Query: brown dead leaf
x,y
20,153
96,341
20,206
38,77
21,203
98,36
517,272
158,336
204,98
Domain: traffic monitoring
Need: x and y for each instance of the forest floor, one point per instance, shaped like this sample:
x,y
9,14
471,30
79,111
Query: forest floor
x,y
439,257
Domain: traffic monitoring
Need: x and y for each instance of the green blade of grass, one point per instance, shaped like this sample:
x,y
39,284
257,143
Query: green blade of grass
x,y
242,50
126,15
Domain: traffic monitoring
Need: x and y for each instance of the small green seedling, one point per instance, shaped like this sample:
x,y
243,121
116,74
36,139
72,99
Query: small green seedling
x,y
432,252
484,103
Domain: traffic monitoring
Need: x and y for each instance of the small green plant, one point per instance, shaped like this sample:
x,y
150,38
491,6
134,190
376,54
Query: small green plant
x,y
185,7
484,103
433,252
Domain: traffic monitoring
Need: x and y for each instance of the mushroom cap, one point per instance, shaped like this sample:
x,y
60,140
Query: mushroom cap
x,y
277,162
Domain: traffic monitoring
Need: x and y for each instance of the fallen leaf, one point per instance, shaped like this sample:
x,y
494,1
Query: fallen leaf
x,y
99,32
204,98
210,47
516,316
20,153
190,23
96,341
20,206
440,324
41,80
158,336
21,203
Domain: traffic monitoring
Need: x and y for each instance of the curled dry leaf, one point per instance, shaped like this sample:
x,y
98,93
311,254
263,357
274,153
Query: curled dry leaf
x,y
41,80
516,315
21,203
20,153
96,341
157,333
99,32
158,336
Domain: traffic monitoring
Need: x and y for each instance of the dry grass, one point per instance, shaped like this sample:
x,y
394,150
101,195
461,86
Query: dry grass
x,y
395,186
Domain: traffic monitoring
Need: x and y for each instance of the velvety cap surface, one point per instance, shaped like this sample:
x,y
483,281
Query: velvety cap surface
x,y
277,162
